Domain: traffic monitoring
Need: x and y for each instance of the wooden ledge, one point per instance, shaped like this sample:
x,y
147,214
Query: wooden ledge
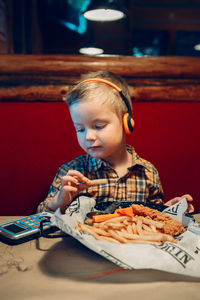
x,y
47,77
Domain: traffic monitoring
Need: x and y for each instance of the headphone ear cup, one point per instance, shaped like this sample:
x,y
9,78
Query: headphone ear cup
x,y
128,123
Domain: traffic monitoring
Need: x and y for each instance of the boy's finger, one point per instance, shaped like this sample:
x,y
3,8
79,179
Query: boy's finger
x,y
70,189
173,201
188,197
83,186
78,175
67,179
190,208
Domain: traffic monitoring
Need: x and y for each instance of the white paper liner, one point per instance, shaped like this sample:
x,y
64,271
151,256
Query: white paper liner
x,y
181,258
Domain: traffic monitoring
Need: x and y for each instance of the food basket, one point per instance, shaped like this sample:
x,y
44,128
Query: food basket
x,y
181,258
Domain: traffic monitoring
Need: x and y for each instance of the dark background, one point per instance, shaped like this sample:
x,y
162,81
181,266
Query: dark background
x,y
152,27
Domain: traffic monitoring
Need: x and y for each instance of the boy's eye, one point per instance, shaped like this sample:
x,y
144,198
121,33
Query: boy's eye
x,y
79,129
99,126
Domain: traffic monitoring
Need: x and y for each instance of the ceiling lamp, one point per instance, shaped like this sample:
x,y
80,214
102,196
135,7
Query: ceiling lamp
x,y
197,47
104,11
91,51
91,48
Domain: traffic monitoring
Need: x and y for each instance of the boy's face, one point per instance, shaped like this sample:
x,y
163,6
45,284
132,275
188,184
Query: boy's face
x,y
99,129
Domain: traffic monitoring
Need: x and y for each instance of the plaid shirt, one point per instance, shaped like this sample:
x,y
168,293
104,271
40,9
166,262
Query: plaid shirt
x,y
140,183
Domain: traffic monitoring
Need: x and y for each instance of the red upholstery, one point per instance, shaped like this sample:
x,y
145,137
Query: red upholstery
x,y
36,138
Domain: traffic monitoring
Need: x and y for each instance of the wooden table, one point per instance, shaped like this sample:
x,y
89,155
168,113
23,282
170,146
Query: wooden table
x,y
63,268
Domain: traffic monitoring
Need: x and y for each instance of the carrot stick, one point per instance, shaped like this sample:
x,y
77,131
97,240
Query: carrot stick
x,y
127,211
102,218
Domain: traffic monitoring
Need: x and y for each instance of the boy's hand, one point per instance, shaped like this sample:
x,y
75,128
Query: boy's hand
x,y
72,184
177,199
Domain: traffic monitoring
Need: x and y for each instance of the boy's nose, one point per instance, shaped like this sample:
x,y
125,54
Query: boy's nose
x,y
90,135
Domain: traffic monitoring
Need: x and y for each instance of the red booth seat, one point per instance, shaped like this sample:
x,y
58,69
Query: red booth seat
x,y
36,138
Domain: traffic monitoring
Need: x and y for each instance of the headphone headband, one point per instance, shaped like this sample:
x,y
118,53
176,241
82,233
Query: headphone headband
x,y
103,81
128,122
124,98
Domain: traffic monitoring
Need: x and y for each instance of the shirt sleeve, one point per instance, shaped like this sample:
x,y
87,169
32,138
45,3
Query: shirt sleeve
x,y
156,193
53,190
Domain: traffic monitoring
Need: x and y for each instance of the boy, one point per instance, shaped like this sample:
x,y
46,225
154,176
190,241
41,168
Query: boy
x,y
101,110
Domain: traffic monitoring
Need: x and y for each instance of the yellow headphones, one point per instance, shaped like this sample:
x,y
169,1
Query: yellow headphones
x,y
127,118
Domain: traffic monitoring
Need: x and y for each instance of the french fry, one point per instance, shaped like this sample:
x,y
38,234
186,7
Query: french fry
x,y
118,219
139,226
146,228
88,221
134,228
100,231
108,239
86,228
129,229
116,226
153,228
152,222
116,235
143,242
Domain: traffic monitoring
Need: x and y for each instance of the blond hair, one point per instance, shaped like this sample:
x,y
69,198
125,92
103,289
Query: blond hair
x,y
101,92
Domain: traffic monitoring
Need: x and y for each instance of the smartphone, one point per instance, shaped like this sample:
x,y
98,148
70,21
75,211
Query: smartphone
x,y
26,228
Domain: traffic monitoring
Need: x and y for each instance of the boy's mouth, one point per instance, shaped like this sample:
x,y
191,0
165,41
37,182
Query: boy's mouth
x,y
94,148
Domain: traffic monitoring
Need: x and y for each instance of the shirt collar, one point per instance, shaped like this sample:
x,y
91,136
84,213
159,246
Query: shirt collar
x,y
136,159
95,164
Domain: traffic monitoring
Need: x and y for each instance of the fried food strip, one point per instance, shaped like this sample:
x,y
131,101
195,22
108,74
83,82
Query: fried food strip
x,y
98,181
170,226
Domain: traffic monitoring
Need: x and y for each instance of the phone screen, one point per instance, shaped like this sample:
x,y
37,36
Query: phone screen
x,y
14,228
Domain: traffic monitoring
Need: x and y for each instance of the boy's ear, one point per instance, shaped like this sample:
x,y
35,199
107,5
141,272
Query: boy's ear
x,y
128,123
